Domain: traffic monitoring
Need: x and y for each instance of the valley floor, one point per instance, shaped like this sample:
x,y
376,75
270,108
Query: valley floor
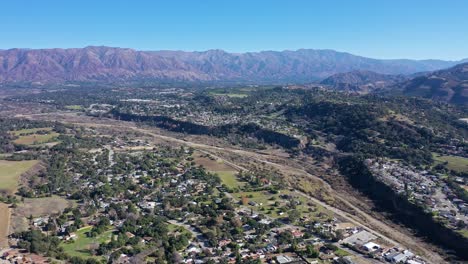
x,y
299,173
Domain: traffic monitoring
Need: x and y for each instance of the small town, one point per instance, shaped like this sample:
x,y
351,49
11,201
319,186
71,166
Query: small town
x,y
131,195
424,188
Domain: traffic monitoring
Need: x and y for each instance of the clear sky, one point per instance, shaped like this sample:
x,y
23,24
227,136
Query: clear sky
x,y
416,29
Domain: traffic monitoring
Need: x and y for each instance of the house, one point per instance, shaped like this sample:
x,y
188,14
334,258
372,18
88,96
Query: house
x,y
265,221
297,233
129,235
400,257
224,242
193,250
412,261
283,259
371,246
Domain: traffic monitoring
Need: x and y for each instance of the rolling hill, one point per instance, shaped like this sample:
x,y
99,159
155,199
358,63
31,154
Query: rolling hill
x,y
361,81
450,85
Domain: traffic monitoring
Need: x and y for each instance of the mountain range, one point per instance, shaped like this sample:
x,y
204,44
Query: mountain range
x,y
108,64
448,85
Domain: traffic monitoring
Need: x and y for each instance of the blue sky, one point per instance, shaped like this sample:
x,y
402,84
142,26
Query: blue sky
x,y
414,29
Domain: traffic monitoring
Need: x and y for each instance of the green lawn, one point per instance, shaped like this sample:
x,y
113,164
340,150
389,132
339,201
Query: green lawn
x,y
229,178
74,107
341,252
454,162
464,232
81,246
35,139
265,201
10,171
30,131
175,228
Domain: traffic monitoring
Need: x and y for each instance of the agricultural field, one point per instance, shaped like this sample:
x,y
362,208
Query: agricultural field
x,y
10,171
226,173
83,245
455,163
35,139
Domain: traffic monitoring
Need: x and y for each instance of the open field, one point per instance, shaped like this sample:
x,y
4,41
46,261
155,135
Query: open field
x,y
37,207
226,173
275,206
35,139
211,164
455,163
10,171
30,131
82,245
234,95
229,178
74,107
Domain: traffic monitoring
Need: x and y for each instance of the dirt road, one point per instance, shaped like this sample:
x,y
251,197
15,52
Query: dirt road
x,y
4,224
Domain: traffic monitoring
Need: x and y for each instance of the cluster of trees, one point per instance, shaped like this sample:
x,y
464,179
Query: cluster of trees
x,y
365,128
37,242
244,130
10,124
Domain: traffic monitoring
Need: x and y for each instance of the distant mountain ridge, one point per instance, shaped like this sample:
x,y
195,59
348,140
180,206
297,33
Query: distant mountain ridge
x,y
107,64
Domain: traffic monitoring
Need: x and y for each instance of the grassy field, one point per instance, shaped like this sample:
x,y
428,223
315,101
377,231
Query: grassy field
x,y
74,107
266,205
175,228
82,245
37,207
10,172
229,178
225,172
341,252
464,232
211,164
235,93
454,162
35,139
